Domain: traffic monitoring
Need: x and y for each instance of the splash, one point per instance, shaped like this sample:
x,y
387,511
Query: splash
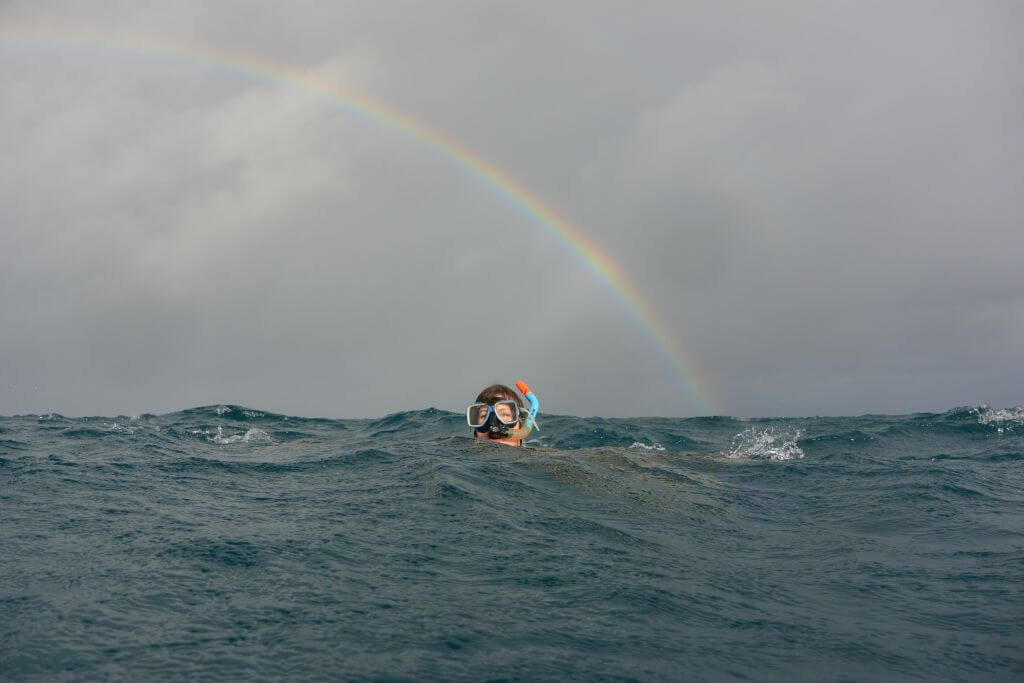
x,y
987,415
1004,420
220,438
647,447
766,444
251,435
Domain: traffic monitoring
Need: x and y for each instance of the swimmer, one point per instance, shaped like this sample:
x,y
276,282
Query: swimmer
x,y
499,415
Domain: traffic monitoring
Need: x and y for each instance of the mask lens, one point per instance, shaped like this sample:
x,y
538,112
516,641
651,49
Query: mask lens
x,y
476,414
507,412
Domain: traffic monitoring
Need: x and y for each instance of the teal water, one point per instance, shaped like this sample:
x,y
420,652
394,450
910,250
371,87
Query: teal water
x,y
223,543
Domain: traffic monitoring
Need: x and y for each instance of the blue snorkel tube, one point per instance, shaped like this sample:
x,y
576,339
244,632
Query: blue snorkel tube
x,y
531,415
531,419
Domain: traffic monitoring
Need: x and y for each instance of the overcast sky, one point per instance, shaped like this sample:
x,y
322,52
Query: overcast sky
x,y
822,201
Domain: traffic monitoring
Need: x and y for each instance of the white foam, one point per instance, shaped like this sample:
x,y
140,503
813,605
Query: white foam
x,y
1004,420
647,447
220,410
987,416
123,429
254,434
766,444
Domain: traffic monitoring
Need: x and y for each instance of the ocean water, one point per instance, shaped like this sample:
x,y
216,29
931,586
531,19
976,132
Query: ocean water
x,y
225,543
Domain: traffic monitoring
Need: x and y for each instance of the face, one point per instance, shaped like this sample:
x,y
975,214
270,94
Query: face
x,y
506,413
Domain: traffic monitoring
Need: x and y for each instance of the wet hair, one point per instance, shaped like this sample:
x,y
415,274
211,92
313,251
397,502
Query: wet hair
x,y
499,392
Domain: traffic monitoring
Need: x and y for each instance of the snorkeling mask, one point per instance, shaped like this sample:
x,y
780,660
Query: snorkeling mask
x,y
501,417
495,418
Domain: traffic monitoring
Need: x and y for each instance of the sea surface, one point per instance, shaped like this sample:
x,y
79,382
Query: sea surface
x,y
228,543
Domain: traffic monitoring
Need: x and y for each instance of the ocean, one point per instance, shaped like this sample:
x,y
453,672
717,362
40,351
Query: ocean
x,y
229,543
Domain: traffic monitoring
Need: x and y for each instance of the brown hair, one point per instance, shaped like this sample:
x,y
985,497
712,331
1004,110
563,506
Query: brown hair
x,y
499,392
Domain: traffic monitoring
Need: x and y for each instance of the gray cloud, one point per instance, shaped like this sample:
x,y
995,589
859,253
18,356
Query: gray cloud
x,y
819,201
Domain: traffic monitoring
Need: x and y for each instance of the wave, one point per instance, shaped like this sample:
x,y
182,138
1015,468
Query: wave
x,y
282,463
959,432
715,535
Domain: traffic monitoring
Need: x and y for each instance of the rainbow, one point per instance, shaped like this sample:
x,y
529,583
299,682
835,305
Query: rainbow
x,y
517,195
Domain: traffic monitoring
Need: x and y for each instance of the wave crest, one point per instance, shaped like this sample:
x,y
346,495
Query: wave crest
x,y
994,416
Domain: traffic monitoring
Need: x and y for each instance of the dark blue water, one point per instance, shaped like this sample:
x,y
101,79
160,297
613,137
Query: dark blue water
x,y
225,543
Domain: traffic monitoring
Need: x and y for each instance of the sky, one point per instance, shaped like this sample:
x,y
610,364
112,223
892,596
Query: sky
x,y
350,209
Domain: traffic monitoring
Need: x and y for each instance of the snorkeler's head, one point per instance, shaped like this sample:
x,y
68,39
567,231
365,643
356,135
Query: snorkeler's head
x,y
497,415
